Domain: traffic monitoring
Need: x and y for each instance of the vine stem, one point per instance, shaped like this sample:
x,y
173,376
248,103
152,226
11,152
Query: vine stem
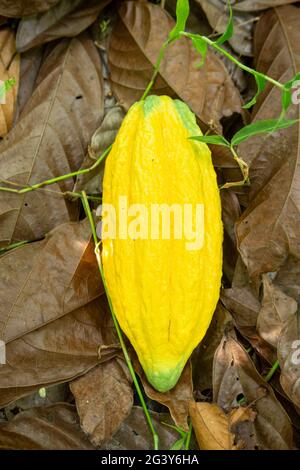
x,y
89,215
272,371
156,69
188,437
27,189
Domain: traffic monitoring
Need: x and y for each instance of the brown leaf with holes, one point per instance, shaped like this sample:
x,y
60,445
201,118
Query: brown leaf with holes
x,y
177,399
9,69
276,309
45,280
58,351
289,358
54,427
236,379
49,140
66,19
212,427
269,230
104,399
134,48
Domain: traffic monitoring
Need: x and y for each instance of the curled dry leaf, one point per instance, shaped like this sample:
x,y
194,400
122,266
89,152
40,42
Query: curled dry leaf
x,y
203,356
235,377
218,17
134,434
213,427
53,427
50,139
68,18
134,47
104,398
288,277
9,69
102,138
19,8
59,351
177,399
45,280
268,230
276,309
289,358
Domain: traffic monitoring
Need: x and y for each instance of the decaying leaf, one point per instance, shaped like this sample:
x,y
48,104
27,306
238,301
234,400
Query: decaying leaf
x,y
9,69
235,379
104,398
49,140
268,230
67,18
276,309
53,427
289,358
134,48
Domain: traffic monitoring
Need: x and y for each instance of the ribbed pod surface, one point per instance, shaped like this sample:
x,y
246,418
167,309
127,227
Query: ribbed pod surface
x,y
163,289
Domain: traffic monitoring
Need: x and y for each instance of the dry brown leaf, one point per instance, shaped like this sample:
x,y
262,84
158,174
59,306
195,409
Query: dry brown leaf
x,y
45,280
177,399
50,139
9,69
218,17
134,48
66,19
256,5
289,358
287,278
104,398
29,68
59,351
276,309
203,356
235,377
212,427
268,230
53,427
134,433
18,8
102,138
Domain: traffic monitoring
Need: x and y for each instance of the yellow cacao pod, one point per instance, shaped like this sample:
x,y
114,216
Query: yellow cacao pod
x,y
163,287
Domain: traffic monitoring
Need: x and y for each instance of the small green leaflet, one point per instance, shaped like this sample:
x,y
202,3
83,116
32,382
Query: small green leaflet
x,y
201,47
261,83
178,445
182,13
211,139
228,33
261,127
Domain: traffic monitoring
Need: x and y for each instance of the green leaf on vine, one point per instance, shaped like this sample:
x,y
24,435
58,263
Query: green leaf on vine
x,y
182,13
211,139
228,33
261,127
261,83
201,46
